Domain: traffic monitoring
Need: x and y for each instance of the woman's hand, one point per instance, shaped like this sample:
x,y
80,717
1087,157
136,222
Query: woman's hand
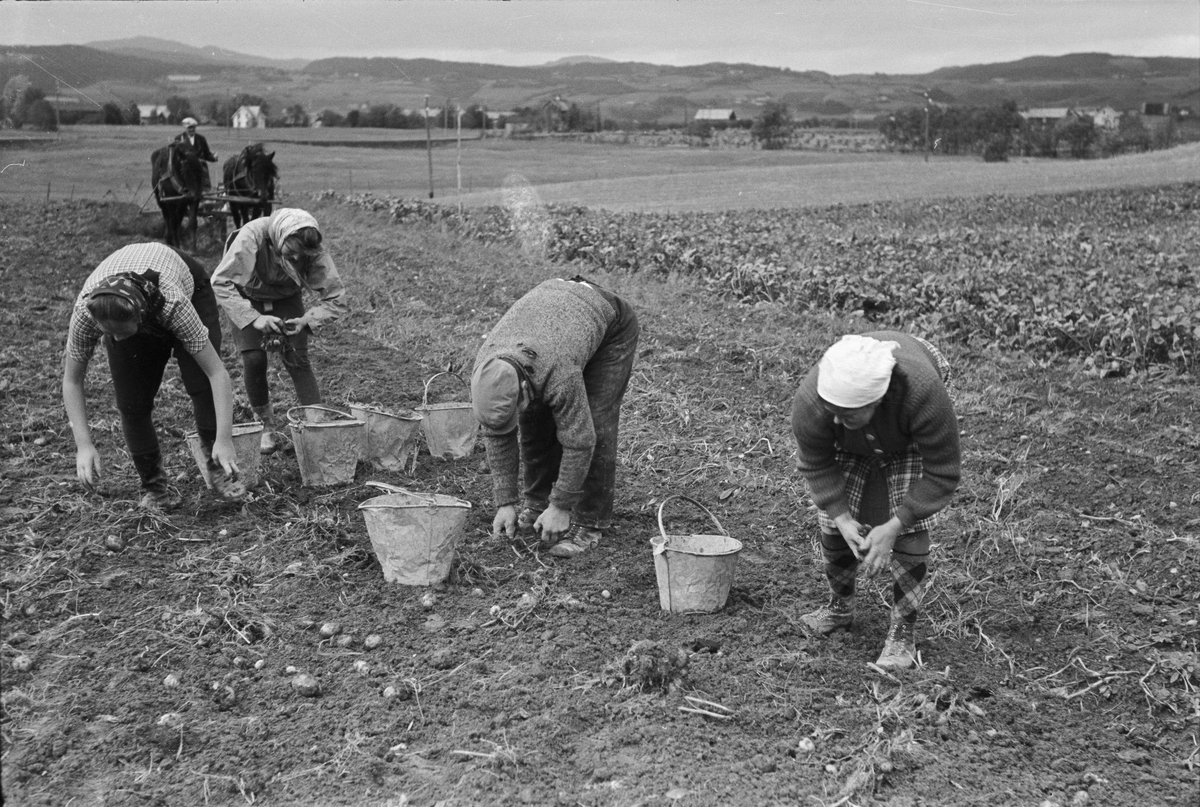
x,y
291,327
552,523
87,465
880,542
268,324
505,522
224,454
852,533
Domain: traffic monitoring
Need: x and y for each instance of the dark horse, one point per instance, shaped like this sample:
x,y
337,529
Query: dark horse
x,y
251,175
178,175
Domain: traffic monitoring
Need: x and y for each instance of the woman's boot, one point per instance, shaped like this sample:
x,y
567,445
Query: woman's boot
x,y
272,439
157,495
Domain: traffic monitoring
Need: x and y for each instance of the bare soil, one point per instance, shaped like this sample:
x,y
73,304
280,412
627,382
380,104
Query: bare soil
x,y
154,660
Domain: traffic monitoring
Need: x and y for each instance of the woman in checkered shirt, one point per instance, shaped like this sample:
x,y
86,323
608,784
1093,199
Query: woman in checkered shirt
x,y
146,302
878,447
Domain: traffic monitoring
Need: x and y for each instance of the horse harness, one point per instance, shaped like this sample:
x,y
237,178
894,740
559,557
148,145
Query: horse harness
x,y
171,186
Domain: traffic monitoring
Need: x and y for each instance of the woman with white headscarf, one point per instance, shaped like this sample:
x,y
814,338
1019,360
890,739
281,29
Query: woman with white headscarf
x,y
259,283
878,447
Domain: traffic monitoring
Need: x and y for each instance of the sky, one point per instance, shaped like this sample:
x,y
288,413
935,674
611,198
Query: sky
x,y
835,36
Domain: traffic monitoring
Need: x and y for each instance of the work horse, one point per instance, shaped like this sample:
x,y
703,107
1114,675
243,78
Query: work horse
x,y
251,175
179,178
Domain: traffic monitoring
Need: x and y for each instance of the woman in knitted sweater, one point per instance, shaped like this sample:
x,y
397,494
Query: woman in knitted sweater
x,y
878,447
547,389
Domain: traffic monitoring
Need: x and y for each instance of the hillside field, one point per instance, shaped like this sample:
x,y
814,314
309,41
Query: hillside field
x,y
113,163
153,660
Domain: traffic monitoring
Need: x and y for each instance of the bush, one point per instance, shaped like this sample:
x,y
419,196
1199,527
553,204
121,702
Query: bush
x,y
996,150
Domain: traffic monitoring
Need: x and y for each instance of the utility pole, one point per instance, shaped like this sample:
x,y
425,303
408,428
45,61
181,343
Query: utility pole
x,y
429,146
927,126
458,157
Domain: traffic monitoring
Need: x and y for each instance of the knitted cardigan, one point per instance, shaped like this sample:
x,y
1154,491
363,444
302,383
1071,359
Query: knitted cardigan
x,y
916,411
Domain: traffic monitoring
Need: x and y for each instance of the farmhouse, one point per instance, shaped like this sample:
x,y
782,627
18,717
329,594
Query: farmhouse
x,y
1102,117
715,115
1045,115
555,113
152,114
249,117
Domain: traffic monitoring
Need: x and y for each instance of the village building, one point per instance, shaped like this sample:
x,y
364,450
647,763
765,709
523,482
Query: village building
x,y
715,115
249,117
152,114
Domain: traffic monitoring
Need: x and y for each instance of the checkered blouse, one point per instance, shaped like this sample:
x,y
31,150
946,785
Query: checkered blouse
x,y
178,316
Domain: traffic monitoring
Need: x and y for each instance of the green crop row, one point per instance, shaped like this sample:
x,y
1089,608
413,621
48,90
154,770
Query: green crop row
x,y
1112,277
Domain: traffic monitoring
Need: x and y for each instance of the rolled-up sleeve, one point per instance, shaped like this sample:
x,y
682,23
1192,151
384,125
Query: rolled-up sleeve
x,y
236,269
324,280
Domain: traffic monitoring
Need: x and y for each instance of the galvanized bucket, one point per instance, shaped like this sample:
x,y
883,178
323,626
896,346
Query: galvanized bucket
x,y
246,437
694,572
450,428
328,443
414,534
391,439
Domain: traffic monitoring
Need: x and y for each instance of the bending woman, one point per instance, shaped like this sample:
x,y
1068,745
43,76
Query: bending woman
x,y
878,442
147,302
259,282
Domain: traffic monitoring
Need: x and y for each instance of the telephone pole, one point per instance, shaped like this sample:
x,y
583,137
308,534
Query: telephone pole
x,y
429,146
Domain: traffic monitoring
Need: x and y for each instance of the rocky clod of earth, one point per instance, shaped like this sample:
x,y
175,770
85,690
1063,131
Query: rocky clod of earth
x,y
649,666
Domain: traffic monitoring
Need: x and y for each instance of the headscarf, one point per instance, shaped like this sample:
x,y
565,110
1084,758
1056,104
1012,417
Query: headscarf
x,y
496,394
140,290
855,371
288,220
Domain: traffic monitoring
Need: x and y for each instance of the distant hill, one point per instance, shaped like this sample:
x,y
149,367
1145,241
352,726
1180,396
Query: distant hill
x,y
577,60
149,47
139,70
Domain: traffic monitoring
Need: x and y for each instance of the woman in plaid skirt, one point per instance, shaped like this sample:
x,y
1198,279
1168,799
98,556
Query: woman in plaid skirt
x,y
878,447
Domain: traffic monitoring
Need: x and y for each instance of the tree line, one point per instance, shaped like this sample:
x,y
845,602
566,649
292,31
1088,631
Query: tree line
x,y
992,132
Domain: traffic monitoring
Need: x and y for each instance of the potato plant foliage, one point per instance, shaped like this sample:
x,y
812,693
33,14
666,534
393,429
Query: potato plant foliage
x,y
1104,277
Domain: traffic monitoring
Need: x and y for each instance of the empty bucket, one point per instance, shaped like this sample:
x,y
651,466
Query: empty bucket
x,y
391,438
414,534
245,447
450,428
328,443
694,572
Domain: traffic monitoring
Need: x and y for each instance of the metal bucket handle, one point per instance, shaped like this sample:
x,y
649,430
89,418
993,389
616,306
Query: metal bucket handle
x,y
424,497
428,381
663,530
293,421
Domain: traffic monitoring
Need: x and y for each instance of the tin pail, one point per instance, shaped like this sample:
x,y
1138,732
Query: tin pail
x,y
328,444
246,437
391,437
450,428
694,572
414,534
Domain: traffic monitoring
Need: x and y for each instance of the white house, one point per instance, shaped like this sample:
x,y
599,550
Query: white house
x,y
1102,117
1044,115
152,113
722,115
249,117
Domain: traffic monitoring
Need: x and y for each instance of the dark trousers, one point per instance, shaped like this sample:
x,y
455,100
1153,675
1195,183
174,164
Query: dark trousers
x,y
294,356
138,363
605,377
